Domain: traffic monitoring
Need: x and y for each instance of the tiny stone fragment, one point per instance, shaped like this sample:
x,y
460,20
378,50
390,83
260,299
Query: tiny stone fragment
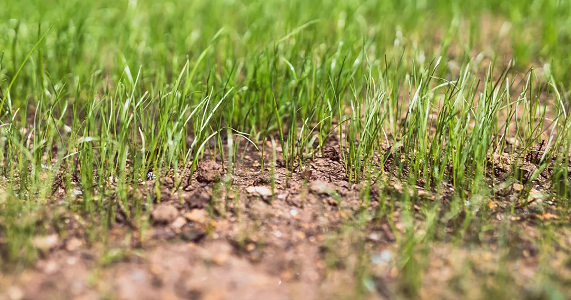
x,y
73,244
221,259
46,243
178,223
15,293
321,187
164,214
198,216
517,187
261,191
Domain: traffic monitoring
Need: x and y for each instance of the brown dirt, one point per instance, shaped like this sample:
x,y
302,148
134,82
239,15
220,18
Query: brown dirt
x,y
298,242
203,244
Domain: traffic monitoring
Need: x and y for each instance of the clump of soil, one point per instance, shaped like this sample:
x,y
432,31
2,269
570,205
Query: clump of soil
x,y
209,171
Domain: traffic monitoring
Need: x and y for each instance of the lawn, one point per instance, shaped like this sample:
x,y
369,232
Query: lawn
x,y
242,149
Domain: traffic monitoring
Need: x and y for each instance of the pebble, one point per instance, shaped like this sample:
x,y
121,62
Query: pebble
x,y
164,213
15,293
321,187
178,223
46,243
261,191
517,187
250,247
198,216
73,244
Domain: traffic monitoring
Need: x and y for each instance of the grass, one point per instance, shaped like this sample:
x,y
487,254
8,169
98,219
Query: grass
x,y
438,95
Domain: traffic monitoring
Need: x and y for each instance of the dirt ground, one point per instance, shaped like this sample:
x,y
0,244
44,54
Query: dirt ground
x,y
300,242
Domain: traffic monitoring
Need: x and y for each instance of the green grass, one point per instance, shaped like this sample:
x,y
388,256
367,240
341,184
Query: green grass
x,y
426,92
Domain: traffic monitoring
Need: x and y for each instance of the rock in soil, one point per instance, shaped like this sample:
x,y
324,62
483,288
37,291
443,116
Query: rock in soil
x,y
198,216
261,191
178,223
209,171
73,244
46,243
164,214
321,187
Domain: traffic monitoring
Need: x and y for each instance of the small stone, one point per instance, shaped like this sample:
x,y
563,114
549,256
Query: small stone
x,y
178,223
374,237
250,247
321,187
512,141
15,293
517,187
536,205
46,243
73,244
164,214
221,259
77,192
287,275
198,216
50,267
383,257
261,191
71,260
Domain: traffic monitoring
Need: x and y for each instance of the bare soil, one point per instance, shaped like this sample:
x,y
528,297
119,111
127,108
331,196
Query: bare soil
x,y
304,240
